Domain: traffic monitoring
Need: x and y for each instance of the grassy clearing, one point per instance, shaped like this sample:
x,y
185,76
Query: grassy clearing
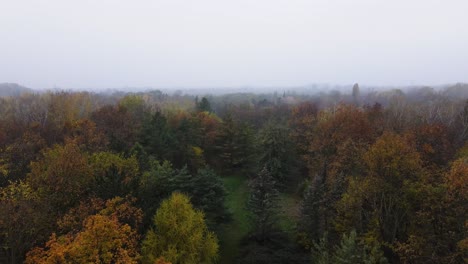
x,y
289,212
234,231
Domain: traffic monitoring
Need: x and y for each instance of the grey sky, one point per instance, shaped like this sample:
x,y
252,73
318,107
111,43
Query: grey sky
x,y
200,43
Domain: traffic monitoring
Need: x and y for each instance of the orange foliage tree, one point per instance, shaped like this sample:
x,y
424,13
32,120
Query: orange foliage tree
x,y
103,239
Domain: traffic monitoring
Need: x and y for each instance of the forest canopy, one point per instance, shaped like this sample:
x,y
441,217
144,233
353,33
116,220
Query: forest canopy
x,y
354,176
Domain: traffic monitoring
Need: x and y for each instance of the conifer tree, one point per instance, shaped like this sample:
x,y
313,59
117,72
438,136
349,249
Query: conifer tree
x,y
276,151
204,105
263,204
235,146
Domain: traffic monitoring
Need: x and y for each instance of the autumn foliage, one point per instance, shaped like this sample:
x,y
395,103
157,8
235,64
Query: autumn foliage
x,y
148,177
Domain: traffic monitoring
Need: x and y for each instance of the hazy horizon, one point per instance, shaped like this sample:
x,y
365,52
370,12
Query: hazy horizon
x,y
211,43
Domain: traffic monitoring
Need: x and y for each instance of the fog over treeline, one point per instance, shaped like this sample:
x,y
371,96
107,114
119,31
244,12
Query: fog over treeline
x,y
211,43
316,174
15,88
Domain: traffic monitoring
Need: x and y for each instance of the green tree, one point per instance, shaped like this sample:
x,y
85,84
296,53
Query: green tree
x,y
157,138
114,175
153,187
205,188
209,194
204,105
263,205
180,234
186,132
63,176
277,153
311,225
350,250
235,145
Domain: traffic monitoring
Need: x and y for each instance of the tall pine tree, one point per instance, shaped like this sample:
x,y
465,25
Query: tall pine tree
x,y
263,204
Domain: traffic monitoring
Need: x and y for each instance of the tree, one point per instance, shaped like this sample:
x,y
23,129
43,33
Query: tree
x,y
235,145
86,135
432,142
205,188
265,242
382,203
157,137
350,250
180,234
118,125
153,185
135,105
187,139
312,225
204,105
456,180
302,122
208,194
209,125
102,240
263,204
25,220
356,92
122,209
20,153
114,175
63,176
277,152
340,139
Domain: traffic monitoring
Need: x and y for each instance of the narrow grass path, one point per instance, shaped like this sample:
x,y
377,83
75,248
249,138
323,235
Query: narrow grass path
x,y
289,206
233,232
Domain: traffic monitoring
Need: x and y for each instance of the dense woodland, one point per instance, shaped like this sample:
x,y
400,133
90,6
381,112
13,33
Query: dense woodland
x,y
375,176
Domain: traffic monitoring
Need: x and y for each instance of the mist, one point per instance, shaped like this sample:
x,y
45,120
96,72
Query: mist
x,y
210,44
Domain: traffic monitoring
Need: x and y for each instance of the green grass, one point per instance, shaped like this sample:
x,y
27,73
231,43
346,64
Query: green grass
x,y
289,212
234,231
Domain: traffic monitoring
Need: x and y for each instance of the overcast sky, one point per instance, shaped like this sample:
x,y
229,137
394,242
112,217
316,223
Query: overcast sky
x,y
212,43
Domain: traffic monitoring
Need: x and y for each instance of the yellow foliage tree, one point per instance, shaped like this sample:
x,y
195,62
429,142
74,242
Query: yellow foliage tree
x,y
180,235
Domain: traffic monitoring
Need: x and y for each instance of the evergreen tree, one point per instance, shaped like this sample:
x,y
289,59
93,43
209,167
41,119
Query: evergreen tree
x,y
350,251
205,188
209,194
311,225
321,251
235,145
263,204
266,243
204,105
356,92
277,153
157,138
